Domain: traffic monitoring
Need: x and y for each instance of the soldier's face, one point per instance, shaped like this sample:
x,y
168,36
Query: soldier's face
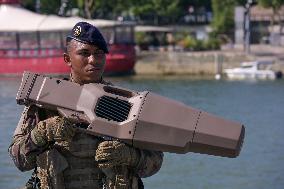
x,y
87,62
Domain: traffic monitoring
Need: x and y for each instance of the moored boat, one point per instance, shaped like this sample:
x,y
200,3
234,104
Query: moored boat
x,y
256,70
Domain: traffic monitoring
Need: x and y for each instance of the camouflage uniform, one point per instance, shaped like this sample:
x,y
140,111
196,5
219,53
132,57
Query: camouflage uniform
x,y
68,165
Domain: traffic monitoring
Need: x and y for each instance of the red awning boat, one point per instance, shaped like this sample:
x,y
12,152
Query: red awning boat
x,y
35,42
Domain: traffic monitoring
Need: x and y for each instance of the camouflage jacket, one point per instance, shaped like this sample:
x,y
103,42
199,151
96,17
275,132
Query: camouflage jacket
x,y
26,155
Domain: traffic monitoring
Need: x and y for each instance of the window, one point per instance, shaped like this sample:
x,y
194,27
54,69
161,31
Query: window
x,y
8,40
50,40
28,40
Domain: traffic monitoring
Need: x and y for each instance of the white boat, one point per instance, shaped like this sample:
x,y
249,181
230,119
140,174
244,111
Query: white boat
x,y
253,70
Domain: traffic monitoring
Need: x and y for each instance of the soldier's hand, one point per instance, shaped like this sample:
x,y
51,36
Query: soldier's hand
x,y
53,129
114,153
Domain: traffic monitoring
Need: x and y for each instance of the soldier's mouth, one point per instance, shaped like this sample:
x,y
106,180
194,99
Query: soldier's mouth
x,y
93,69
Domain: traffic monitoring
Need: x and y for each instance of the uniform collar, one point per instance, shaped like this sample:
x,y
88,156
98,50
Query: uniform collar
x,y
73,80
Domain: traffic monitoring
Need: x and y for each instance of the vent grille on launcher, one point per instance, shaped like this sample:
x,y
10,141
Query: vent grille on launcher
x,y
112,108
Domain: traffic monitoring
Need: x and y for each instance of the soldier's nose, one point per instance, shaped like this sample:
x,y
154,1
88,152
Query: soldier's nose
x,y
92,59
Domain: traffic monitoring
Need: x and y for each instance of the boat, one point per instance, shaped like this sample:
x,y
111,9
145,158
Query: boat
x,y
256,70
36,42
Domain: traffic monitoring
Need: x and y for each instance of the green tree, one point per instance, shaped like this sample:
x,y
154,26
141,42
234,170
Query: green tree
x,y
166,10
103,9
50,7
241,2
184,4
29,4
157,8
223,16
86,7
46,6
113,8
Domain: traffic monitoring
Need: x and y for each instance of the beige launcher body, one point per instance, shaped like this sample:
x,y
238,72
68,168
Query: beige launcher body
x,y
142,119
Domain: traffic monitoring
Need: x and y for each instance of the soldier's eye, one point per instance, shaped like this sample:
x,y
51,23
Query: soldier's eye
x,y
84,53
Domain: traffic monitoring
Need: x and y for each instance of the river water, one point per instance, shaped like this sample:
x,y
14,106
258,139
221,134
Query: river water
x,y
258,105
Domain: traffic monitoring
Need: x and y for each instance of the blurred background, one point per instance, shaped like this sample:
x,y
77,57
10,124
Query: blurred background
x,y
224,57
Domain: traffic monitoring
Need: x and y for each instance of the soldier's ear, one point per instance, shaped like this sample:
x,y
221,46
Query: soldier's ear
x,y
67,59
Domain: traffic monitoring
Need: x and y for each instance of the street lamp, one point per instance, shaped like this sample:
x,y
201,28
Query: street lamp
x,y
247,25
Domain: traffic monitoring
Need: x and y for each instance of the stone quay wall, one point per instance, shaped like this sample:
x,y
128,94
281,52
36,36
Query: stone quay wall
x,y
193,63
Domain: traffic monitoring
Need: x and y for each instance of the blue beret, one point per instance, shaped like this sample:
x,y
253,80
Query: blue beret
x,y
89,34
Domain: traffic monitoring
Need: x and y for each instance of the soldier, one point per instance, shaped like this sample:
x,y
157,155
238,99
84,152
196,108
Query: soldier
x,y
64,157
